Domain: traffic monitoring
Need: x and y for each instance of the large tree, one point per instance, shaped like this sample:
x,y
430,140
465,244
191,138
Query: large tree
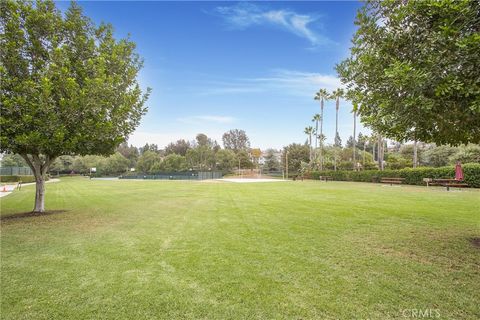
x,y
225,160
12,160
236,140
415,68
297,153
272,163
179,147
147,160
173,162
129,152
67,87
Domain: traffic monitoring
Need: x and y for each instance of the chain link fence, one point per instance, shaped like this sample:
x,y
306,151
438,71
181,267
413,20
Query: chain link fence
x,y
15,171
188,175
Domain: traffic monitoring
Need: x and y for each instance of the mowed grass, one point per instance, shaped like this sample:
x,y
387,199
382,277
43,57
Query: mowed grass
x,y
206,250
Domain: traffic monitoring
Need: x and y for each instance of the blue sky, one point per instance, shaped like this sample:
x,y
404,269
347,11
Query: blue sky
x,y
214,66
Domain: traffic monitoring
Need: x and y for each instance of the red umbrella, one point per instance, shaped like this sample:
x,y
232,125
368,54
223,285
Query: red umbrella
x,y
458,171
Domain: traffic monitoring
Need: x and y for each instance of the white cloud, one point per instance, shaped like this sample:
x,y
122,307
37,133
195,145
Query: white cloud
x,y
279,81
207,118
298,82
229,88
244,15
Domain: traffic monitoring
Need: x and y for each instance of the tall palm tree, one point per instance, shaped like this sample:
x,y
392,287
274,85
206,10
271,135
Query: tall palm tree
x,y
336,94
350,95
316,119
309,131
322,95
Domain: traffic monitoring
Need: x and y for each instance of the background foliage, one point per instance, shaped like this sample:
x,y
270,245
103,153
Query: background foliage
x,y
411,176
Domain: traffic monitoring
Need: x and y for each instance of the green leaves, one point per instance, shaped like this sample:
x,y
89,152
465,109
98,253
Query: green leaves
x,y
415,70
67,87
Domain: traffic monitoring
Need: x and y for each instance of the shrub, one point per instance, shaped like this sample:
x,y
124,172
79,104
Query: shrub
x,y
471,172
25,179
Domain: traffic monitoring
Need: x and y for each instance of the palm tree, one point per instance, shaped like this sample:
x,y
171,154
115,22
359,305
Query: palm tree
x,y
322,95
316,118
309,131
355,108
350,95
336,94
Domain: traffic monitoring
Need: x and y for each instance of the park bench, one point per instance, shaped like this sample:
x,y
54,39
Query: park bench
x,y
325,178
447,183
392,181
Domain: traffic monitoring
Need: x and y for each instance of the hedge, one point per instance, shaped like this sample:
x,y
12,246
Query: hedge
x,y
25,179
471,172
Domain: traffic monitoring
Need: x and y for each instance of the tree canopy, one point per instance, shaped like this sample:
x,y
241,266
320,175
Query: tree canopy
x,y
236,140
179,147
68,87
297,153
415,69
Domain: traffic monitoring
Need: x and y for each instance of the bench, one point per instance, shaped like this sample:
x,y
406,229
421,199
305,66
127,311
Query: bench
x,y
447,183
392,181
325,178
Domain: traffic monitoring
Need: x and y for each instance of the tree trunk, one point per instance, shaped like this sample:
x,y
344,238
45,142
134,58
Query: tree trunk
x,y
373,152
336,134
39,195
39,168
286,164
321,136
415,155
354,144
310,138
364,154
380,153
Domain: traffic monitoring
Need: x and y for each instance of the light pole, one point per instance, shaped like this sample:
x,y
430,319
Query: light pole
x,y
364,152
415,151
286,164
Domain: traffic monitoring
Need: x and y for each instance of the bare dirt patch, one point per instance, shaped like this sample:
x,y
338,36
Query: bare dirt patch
x,y
475,242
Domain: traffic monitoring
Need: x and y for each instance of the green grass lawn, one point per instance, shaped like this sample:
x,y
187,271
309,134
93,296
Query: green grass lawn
x,y
206,250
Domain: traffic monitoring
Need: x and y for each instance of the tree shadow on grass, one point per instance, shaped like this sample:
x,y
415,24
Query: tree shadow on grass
x,y
30,214
475,242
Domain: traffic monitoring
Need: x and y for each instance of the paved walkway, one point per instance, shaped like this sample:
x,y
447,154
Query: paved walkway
x,y
11,187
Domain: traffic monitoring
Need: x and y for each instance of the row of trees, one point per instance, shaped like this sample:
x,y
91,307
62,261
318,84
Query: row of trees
x,y
323,95
394,156
319,158
410,86
70,88
203,153
184,155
